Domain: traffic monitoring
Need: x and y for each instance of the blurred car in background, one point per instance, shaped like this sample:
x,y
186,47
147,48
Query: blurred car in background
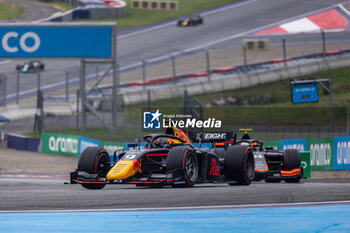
x,y
31,66
191,20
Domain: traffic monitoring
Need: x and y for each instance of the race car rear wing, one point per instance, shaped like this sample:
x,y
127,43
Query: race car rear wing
x,y
223,138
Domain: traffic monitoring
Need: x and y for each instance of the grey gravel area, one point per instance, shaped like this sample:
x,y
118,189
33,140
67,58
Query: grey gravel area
x,y
17,161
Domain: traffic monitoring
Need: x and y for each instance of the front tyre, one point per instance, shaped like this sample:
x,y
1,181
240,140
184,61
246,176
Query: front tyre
x,y
184,158
94,160
239,164
292,161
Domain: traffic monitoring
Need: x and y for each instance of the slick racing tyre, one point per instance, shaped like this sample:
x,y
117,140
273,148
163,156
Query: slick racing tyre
x,y
185,158
292,161
239,164
94,160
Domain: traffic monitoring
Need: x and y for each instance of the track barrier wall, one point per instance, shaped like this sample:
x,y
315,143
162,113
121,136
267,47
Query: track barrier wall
x,y
341,150
326,154
323,154
20,142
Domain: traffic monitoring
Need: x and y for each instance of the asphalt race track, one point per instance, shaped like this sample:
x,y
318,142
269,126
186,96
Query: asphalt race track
x,y
220,28
18,194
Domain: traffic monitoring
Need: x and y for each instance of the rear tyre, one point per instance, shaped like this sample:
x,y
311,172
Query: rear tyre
x,y
292,161
94,160
239,164
185,158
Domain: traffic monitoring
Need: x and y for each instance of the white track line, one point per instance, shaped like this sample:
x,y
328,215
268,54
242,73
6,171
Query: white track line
x,y
275,205
344,9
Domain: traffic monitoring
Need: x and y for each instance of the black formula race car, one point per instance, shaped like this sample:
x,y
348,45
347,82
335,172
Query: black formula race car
x,y
192,20
271,165
167,159
31,66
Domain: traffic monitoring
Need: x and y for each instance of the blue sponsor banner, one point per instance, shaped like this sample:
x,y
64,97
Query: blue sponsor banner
x,y
56,41
86,142
203,145
304,93
299,144
341,153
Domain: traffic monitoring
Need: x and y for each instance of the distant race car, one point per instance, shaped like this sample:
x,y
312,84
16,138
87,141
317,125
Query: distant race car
x,y
31,66
168,159
271,165
192,20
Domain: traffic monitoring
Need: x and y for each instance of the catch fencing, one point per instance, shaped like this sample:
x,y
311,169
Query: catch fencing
x,y
236,56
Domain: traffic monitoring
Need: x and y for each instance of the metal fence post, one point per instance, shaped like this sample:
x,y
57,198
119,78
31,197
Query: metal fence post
x,y
245,57
17,88
82,95
284,51
143,72
173,66
3,90
67,85
149,100
323,43
39,81
5,100
208,62
115,99
77,111
331,107
96,70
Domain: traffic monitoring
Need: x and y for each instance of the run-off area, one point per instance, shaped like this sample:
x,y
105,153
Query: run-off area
x,y
321,218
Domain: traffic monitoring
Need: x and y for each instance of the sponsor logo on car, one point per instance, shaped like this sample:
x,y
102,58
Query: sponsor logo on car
x,y
209,136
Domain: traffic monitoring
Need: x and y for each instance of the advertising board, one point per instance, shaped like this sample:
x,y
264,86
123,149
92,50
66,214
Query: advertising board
x,y
341,153
304,93
321,153
299,144
305,163
86,142
72,40
60,144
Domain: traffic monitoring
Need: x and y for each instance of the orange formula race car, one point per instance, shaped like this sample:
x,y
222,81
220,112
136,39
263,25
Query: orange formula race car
x,y
168,159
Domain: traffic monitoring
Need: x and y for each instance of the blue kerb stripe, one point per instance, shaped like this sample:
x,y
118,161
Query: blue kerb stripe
x,y
331,218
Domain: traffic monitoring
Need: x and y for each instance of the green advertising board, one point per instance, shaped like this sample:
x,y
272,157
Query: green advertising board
x,y
305,163
113,146
274,144
60,144
321,154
